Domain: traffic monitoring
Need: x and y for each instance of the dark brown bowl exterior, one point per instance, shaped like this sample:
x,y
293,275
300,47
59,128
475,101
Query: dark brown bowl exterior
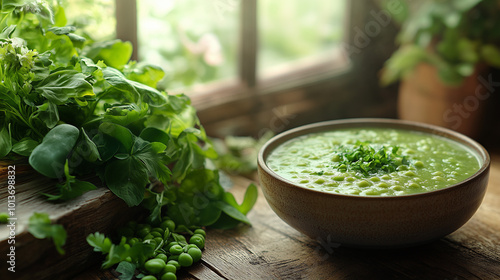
x,y
374,221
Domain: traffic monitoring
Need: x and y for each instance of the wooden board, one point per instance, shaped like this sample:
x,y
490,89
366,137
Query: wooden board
x,y
97,210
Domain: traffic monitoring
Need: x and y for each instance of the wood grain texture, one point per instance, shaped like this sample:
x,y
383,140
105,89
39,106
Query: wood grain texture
x,y
97,210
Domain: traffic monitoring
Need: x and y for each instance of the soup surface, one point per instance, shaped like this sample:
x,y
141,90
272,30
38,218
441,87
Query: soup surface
x,y
373,161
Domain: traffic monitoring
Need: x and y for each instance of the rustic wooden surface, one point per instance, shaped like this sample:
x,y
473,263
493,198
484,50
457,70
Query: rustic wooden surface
x,y
270,249
97,210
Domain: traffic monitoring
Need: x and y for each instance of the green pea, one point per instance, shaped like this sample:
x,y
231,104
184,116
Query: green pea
x,y
133,240
169,276
162,257
319,181
173,258
185,259
413,185
149,277
4,218
169,268
159,240
154,265
143,232
383,185
175,263
195,253
148,236
419,164
189,246
158,230
375,179
152,242
168,224
198,240
336,158
156,234
410,173
176,249
339,178
200,231
363,184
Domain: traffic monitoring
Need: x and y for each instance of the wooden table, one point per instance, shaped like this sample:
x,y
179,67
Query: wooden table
x,y
270,249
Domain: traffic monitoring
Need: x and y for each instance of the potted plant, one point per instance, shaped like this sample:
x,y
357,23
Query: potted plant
x,y
446,50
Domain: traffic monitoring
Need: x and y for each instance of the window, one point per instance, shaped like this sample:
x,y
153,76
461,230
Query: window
x,y
272,64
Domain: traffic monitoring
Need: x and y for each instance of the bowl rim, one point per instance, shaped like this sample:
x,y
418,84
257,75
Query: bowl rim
x,y
471,144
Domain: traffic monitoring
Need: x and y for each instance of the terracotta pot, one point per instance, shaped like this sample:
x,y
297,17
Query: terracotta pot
x,y
424,98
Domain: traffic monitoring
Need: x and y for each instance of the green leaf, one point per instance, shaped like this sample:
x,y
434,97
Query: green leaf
x,y
152,157
50,156
249,199
402,63
72,188
192,155
126,114
117,254
126,270
232,212
49,114
140,92
141,252
106,145
209,215
58,87
86,148
127,179
120,133
100,242
114,53
143,73
24,147
40,227
8,30
152,134
5,141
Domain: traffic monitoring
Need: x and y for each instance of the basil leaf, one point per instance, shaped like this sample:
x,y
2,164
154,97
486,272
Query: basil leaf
x,y
58,87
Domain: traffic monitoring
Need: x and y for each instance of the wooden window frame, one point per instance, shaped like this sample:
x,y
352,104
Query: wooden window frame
x,y
341,86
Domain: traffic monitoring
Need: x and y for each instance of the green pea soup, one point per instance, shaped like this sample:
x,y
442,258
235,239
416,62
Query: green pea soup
x,y
373,161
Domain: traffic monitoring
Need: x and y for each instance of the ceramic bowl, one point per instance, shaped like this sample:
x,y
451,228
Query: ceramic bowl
x,y
374,221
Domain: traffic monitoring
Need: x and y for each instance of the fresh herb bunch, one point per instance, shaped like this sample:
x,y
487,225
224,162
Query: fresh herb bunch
x,y
78,108
368,159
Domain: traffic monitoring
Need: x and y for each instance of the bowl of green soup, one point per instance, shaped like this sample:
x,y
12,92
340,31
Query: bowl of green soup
x,y
373,183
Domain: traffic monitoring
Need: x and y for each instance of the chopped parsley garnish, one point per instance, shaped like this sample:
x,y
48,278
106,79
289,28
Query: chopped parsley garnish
x,y
370,159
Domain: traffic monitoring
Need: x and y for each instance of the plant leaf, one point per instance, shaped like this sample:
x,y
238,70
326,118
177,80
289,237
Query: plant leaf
x,y
58,87
5,141
127,179
40,227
